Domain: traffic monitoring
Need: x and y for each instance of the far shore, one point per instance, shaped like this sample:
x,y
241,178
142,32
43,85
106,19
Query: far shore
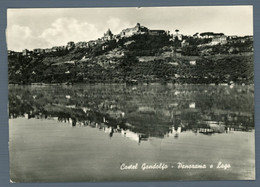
x,y
124,83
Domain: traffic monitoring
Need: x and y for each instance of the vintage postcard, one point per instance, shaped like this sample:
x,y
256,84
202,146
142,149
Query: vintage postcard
x,y
131,94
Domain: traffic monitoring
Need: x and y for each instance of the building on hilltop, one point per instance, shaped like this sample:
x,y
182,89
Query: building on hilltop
x,y
54,49
177,36
26,52
117,37
242,39
138,29
70,45
38,51
219,40
58,48
47,50
81,45
91,43
206,35
216,38
157,32
210,34
107,36
233,37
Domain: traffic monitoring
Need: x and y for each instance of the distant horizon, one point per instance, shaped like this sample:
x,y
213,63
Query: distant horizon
x,y
48,27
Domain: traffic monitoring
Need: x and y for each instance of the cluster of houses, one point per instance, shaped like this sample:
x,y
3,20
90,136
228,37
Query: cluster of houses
x,y
216,38
138,29
39,51
221,38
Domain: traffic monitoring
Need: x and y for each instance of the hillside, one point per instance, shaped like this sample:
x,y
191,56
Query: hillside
x,y
139,59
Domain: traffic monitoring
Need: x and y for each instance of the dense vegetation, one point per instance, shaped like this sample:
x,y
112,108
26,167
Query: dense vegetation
x,y
163,61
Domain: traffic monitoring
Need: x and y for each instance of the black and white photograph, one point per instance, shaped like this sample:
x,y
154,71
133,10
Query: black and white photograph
x,y
131,94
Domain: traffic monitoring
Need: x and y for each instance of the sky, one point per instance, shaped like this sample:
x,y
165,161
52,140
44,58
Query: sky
x,y
48,27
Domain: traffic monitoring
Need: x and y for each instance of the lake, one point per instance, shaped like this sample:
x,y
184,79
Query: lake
x,y
118,132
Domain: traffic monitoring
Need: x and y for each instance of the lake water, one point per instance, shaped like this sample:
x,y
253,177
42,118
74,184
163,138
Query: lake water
x,y
112,132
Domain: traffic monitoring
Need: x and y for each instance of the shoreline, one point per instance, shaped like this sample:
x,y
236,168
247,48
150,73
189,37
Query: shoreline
x,y
141,83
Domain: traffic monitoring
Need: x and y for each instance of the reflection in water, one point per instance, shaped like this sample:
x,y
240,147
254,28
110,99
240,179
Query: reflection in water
x,y
139,112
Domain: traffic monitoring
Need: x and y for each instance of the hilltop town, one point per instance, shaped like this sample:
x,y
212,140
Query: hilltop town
x,y
139,55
